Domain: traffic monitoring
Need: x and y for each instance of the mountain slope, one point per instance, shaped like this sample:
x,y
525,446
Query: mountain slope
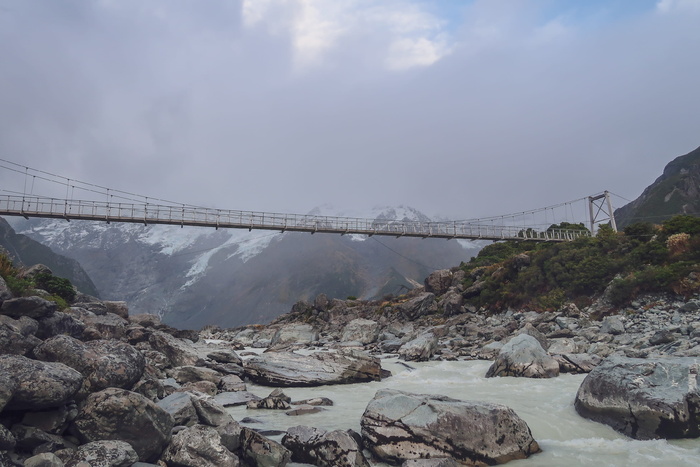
x,y
25,251
676,191
197,276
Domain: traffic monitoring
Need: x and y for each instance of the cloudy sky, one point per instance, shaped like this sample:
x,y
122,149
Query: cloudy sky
x,y
459,108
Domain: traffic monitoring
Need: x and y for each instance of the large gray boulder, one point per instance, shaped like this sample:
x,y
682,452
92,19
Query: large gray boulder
x,y
364,331
321,448
179,405
644,399
199,446
300,334
261,451
438,281
38,385
291,369
419,349
33,307
178,351
524,356
103,363
127,416
105,453
397,426
13,340
423,304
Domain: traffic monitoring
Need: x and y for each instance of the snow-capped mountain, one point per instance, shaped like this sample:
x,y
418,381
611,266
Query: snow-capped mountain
x,y
197,276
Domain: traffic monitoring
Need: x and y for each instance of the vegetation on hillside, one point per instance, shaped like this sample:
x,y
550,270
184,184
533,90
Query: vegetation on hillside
x,y
60,290
543,276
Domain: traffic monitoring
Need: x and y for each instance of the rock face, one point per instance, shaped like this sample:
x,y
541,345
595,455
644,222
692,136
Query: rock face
x,y
398,426
290,369
324,449
127,416
524,356
643,399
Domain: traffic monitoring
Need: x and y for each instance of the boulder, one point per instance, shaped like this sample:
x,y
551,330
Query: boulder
x,y
397,426
643,399
231,399
179,405
438,282
40,385
277,400
577,363
419,349
324,449
45,459
60,323
612,325
178,352
33,307
105,453
291,369
190,374
261,451
118,308
127,416
8,386
451,303
209,411
423,304
7,439
12,341
232,383
225,356
523,356
360,330
294,334
199,446
103,363
108,325
5,292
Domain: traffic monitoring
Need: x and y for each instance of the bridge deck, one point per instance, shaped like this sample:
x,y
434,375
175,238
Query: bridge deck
x,y
33,206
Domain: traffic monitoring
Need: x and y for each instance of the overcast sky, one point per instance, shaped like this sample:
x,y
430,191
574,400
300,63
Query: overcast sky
x,y
458,108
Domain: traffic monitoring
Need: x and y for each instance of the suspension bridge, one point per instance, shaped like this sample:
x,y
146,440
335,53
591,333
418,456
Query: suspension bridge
x,y
97,203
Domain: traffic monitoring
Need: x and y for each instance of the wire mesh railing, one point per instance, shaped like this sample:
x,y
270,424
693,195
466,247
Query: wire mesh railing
x,y
172,214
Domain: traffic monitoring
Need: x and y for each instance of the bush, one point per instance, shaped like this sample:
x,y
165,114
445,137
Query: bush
x,y
56,286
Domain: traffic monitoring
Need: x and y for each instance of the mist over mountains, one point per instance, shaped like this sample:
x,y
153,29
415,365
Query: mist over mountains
x,y
192,277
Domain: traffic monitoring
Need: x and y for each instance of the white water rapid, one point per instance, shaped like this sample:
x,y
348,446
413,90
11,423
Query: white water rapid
x,y
547,405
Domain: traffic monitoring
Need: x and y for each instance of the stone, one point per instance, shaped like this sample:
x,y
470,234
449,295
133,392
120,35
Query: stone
x,y
12,341
60,323
103,363
577,363
231,383
317,401
612,325
643,399
118,308
33,307
108,325
127,416
179,405
438,281
439,462
30,438
452,302
277,400
304,409
199,446
360,330
189,374
5,292
7,439
230,399
104,453
531,330
420,349
205,387
663,336
52,421
225,356
46,459
230,434
523,356
261,451
209,411
291,369
178,352
423,304
294,334
40,385
324,449
397,426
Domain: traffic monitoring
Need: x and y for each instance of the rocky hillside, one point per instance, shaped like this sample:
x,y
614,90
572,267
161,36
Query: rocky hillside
x,y
676,191
25,251
193,277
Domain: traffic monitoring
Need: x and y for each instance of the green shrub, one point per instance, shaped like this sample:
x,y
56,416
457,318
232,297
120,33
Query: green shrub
x,y
56,286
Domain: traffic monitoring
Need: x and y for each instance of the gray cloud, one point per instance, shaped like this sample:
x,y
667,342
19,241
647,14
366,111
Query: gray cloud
x,y
184,100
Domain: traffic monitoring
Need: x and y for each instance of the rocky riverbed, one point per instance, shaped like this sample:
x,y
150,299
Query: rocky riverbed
x,y
93,385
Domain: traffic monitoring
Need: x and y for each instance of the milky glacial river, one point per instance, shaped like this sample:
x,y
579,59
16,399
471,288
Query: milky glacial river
x,y
546,405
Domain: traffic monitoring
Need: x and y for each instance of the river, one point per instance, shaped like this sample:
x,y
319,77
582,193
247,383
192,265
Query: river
x,y
546,405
